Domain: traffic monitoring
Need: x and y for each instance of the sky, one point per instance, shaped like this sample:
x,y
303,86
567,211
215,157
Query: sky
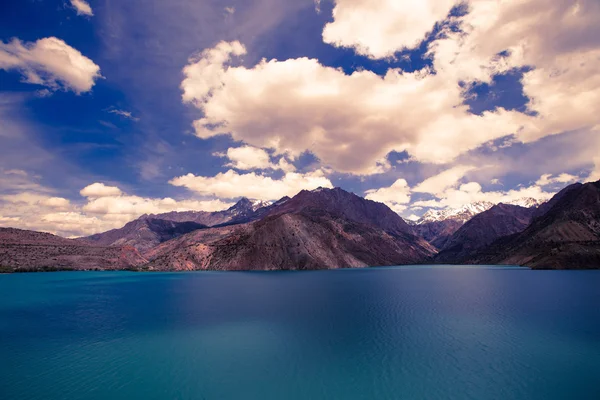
x,y
112,109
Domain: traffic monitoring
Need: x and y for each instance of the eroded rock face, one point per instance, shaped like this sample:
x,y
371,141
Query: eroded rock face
x,y
303,240
22,250
321,229
149,231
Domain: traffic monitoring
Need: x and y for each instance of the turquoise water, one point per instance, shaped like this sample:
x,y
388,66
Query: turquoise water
x,y
391,333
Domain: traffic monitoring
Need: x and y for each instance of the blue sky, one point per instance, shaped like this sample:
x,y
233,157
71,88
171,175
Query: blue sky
x,y
417,106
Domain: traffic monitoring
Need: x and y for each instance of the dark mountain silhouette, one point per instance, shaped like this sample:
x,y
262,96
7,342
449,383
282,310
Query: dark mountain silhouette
x,y
482,230
22,250
567,236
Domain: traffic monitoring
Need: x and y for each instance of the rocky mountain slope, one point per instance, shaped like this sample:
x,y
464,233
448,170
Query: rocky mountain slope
x,y
326,228
244,210
34,251
567,236
482,230
437,226
148,231
144,233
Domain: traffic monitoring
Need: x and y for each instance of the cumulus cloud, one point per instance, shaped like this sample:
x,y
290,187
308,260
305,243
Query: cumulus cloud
x,y
396,196
110,202
96,190
27,205
251,158
50,62
472,192
379,29
439,183
231,184
548,179
82,7
595,174
350,122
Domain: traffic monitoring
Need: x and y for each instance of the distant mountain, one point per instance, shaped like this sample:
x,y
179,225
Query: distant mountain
x,y
321,229
22,250
566,236
437,226
527,202
460,214
243,211
482,230
150,230
144,233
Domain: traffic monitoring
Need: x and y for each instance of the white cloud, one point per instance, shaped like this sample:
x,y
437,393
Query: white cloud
x,y
251,158
230,184
595,174
96,190
548,179
106,207
396,196
439,183
380,28
472,192
82,7
124,114
230,10
50,62
350,122
127,207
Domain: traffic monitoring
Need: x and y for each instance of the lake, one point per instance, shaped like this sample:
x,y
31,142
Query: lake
x,y
381,333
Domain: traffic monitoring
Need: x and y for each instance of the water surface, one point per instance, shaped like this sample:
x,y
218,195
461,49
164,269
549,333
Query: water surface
x,y
389,333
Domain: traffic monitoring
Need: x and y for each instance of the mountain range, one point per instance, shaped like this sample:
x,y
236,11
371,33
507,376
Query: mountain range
x,y
329,228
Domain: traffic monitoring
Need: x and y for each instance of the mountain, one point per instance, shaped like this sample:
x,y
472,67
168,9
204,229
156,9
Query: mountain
x,y
151,230
461,214
482,230
437,226
144,233
22,250
567,236
346,205
437,233
244,210
527,202
321,229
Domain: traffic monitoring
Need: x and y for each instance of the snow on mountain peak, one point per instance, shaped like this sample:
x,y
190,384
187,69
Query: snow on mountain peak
x,y
526,202
462,214
468,211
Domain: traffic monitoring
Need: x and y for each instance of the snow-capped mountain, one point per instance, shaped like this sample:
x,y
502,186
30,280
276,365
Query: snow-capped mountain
x,y
527,202
466,212
462,214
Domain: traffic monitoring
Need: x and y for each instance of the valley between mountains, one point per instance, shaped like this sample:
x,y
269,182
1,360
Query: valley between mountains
x,y
325,229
